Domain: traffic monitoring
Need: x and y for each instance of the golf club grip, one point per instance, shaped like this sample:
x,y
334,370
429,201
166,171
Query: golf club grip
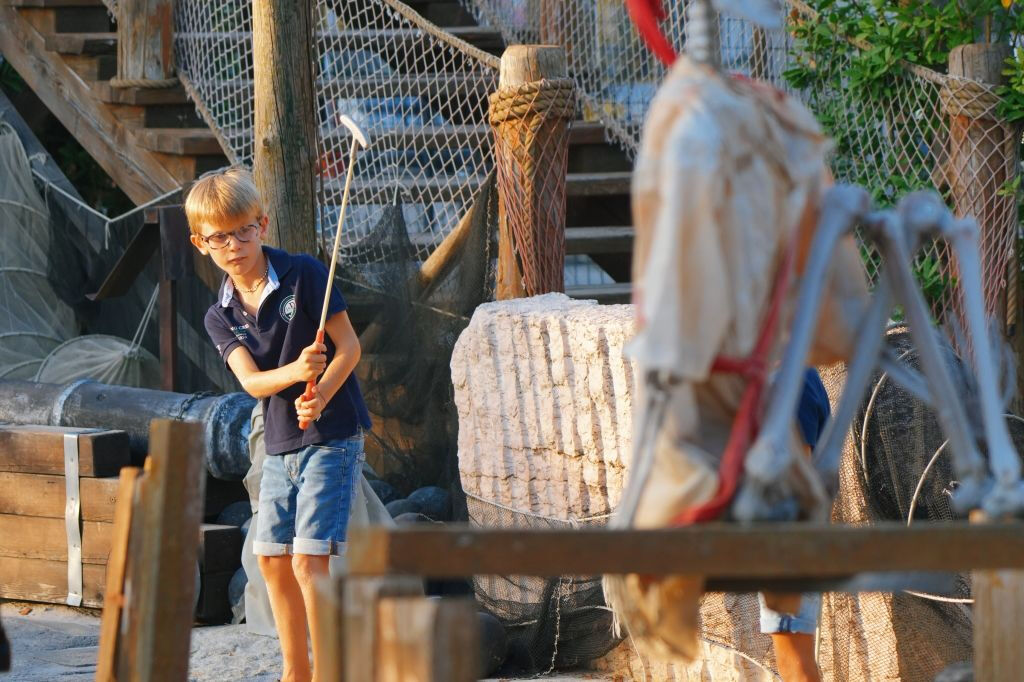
x,y
310,385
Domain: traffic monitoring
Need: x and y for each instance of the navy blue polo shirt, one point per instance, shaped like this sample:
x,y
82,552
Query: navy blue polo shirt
x,y
285,323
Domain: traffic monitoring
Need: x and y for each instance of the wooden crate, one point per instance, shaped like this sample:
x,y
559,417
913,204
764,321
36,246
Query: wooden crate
x,y
33,536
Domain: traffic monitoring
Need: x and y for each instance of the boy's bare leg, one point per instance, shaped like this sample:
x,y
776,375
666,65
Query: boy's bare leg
x,y
288,606
307,567
794,653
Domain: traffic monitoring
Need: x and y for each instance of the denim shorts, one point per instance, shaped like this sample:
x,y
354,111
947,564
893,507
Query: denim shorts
x,y
306,498
804,622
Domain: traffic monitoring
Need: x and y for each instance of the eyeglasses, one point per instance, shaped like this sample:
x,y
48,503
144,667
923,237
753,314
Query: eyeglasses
x,y
218,240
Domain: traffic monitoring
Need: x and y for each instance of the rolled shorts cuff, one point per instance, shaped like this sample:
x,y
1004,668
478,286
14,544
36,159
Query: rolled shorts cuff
x,y
270,548
805,622
318,547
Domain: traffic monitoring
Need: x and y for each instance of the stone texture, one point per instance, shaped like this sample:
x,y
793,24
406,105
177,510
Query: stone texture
x,y
545,399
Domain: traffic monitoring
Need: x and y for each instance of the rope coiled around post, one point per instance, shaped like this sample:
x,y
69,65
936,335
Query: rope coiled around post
x,y
546,98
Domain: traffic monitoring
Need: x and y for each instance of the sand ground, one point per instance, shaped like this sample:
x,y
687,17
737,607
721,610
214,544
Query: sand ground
x,y
60,643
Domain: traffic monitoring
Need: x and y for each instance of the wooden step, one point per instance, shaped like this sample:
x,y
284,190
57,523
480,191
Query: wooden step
x,y
180,141
445,188
591,240
605,294
138,96
54,4
82,43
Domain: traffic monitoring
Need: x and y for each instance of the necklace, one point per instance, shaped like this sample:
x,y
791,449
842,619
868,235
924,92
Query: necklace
x,y
258,282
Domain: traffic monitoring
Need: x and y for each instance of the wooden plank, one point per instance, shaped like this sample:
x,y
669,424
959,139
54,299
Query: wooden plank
x,y
47,581
590,240
65,94
597,184
55,4
40,450
180,141
81,43
105,92
360,613
163,551
114,602
145,50
607,294
330,593
35,537
718,550
428,640
43,495
998,625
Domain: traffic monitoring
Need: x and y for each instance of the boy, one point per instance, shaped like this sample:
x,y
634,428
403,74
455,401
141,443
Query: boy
x,y
264,326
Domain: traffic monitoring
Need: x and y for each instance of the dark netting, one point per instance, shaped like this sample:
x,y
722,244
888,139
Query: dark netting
x,y
905,636
551,623
407,332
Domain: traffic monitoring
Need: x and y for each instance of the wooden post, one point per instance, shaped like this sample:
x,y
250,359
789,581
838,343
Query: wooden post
x,y
983,155
531,155
998,621
359,621
163,551
428,640
145,44
285,155
113,599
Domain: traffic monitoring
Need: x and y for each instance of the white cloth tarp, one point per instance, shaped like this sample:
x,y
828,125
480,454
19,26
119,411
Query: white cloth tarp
x,y
728,176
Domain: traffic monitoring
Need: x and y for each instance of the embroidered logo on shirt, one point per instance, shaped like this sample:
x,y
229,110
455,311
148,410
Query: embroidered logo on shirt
x,y
287,308
241,332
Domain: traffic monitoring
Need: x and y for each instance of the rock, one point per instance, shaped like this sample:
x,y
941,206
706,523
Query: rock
x,y
399,507
434,502
410,518
25,611
235,514
385,491
493,644
236,588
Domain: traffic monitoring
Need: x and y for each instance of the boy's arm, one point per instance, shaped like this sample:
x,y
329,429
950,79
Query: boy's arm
x,y
346,356
306,367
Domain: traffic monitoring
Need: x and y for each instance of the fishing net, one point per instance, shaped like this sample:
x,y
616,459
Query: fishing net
x,y
551,623
419,94
919,129
33,319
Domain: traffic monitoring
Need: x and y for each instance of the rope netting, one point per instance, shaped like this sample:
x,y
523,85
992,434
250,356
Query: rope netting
x,y
927,130
420,95
531,149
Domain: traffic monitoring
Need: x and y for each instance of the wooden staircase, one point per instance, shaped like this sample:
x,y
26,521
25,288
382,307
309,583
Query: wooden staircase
x,y
151,141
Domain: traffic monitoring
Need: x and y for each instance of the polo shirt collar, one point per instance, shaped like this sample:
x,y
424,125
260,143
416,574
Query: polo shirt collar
x,y
276,259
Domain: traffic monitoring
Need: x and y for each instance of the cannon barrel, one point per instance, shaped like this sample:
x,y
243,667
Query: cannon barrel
x,y
87,403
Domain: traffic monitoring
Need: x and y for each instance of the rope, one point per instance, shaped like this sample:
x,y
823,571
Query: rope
x,y
107,221
964,97
432,29
571,521
546,98
147,314
144,83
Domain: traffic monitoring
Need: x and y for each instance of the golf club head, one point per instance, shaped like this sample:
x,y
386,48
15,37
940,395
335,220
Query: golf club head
x,y
354,129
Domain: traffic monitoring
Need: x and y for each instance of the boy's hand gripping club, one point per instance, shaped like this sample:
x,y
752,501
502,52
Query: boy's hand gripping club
x,y
358,140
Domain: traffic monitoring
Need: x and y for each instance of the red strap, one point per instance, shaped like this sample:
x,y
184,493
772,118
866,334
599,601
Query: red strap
x,y
745,425
646,14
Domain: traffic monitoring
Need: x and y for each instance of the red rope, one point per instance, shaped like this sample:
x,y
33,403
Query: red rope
x,y
646,14
754,369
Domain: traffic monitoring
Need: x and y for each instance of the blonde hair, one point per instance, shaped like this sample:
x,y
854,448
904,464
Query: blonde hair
x,y
221,195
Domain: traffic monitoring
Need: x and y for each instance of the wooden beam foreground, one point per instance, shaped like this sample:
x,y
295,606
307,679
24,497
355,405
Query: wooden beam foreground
x,y
761,551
